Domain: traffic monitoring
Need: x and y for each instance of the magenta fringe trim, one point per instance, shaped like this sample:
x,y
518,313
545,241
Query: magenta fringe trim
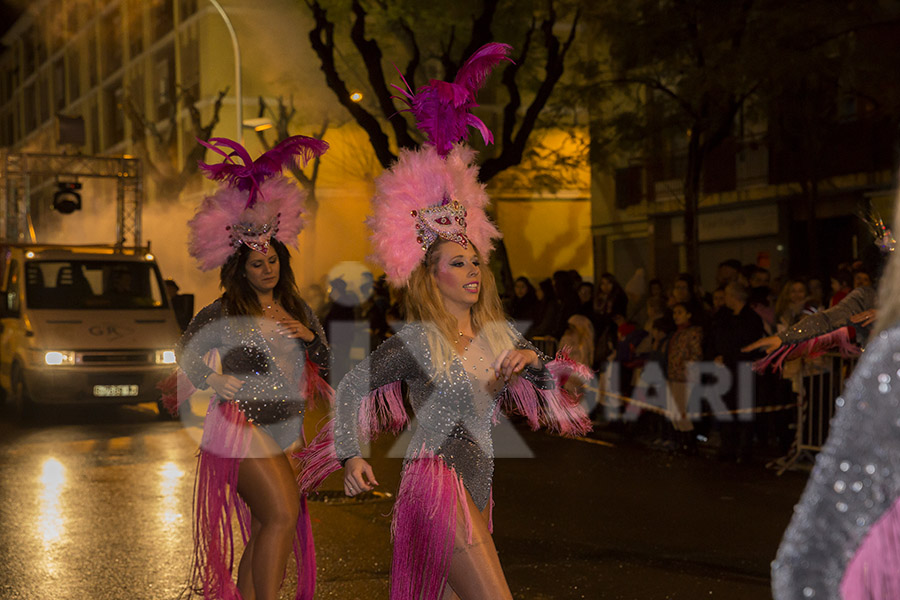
x,y
874,571
226,440
555,408
382,410
317,460
424,527
216,502
838,339
314,388
175,389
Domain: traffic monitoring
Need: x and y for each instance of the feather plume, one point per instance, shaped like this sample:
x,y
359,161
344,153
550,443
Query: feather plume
x,y
419,179
443,109
211,242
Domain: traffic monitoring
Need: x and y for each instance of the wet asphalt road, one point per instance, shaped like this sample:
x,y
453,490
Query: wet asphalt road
x,y
95,503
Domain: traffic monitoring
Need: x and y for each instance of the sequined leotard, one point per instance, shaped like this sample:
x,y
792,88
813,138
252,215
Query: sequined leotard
x,y
453,408
855,483
270,367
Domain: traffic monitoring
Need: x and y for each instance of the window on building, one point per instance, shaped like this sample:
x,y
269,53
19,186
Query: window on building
x,y
59,84
73,66
163,17
92,60
188,8
43,97
113,114
629,186
111,41
135,29
190,60
164,81
94,126
134,89
29,63
29,98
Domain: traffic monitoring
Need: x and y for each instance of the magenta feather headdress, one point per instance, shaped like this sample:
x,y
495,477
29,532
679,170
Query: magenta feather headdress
x,y
433,193
256,202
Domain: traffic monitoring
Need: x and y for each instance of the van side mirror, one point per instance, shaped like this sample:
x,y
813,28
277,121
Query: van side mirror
x,y
9,304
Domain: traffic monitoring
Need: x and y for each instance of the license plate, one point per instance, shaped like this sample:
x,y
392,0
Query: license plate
x,y
106,391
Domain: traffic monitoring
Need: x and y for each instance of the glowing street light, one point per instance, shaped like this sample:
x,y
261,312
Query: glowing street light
x,y
356,96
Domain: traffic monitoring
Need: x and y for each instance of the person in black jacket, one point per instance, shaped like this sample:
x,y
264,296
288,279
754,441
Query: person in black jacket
x,y
730,335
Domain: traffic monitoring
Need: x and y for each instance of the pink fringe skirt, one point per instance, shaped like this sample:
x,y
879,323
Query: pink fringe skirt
x,y
217,504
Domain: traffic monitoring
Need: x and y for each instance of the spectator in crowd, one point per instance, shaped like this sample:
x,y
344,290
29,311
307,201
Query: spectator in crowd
x,y
793,304
548,312
816,293
841,284
567,295
586,299
759,295
610,304
523,306
685,347
728,270
861,278
578,339
744,327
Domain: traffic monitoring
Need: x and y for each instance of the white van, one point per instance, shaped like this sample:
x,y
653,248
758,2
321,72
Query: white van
x,y
82,324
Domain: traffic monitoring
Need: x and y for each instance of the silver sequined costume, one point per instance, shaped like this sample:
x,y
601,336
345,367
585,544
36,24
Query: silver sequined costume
x,y
271,393
858,300
453,415
856,480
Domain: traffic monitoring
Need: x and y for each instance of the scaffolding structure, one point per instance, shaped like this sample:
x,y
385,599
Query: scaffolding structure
x,y
18,169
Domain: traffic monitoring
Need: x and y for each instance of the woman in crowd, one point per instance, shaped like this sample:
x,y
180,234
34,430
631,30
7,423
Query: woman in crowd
x,y
523,307
271,349
685,347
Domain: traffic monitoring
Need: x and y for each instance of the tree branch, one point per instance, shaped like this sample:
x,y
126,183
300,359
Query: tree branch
x,y
556,55
370,53
321,38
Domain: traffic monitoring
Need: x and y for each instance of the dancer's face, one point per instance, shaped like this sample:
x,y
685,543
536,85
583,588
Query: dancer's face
x,y
458,275
262,270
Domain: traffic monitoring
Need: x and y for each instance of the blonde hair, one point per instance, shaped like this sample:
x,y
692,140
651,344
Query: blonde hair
x,y
425,304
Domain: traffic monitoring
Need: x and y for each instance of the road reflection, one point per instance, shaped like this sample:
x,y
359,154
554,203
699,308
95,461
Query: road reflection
x,y
170,487
50,522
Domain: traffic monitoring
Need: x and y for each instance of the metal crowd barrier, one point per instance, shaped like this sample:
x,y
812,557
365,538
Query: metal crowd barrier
x,y
818,382
546,344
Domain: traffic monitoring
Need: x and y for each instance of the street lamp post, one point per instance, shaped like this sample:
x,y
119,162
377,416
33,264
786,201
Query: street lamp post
x,y
238,98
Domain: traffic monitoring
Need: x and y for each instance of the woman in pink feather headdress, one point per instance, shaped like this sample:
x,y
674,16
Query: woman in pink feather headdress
x,y
271,349
461,360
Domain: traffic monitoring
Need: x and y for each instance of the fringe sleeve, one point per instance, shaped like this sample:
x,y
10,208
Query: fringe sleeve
x,y
201,336
369,400
540,396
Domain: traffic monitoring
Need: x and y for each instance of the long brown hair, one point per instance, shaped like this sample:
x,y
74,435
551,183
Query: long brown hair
x,y
240,298
425,304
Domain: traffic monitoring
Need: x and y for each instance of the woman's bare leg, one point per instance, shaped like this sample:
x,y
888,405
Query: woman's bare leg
x,y
475,571
245,567
267,485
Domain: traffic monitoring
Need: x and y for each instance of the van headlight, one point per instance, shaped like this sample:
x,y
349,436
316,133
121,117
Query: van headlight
x,y
57,357
165,357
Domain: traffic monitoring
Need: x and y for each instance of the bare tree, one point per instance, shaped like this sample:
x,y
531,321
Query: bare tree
x,y
157,143
518,121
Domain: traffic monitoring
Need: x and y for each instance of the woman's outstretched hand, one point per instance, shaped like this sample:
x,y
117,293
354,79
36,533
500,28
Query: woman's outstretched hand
x,y
512,362
358,476
769,344
225,386
865,318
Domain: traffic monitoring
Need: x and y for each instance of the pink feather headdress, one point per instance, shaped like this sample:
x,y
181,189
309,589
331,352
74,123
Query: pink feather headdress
x,y
255,204
433,193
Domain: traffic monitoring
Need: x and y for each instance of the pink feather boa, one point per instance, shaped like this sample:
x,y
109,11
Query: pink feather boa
x,y
836,340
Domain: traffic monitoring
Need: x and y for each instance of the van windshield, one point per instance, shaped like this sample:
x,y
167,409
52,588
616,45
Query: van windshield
x,y
93,284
